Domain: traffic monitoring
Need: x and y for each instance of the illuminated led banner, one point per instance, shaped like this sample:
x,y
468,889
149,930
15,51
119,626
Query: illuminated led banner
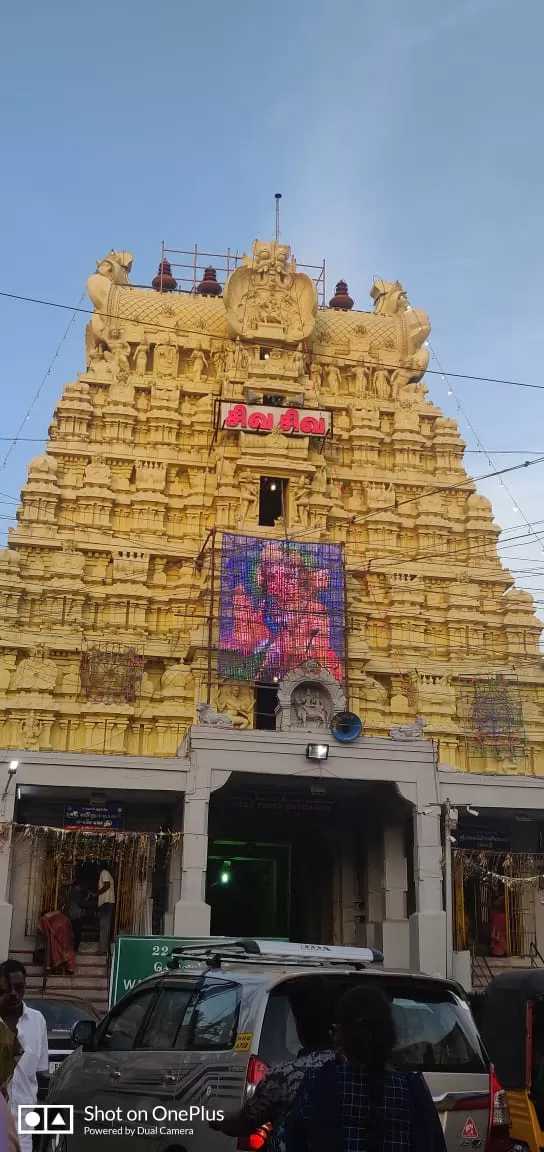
x,y
282,602
259,418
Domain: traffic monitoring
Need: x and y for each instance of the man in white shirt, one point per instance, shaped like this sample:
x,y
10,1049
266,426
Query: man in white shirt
x,y
31,1029
106,907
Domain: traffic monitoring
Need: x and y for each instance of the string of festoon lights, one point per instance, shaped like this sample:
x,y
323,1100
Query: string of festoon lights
x,y
451,392
480,868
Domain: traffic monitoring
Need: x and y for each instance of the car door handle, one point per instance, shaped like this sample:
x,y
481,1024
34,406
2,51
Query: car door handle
x,y
115,1075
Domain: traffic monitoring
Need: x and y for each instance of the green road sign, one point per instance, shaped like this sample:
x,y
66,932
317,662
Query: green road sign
x,y
137,957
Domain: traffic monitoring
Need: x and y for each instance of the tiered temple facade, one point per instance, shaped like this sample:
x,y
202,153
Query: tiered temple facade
x,y
143,462
253,409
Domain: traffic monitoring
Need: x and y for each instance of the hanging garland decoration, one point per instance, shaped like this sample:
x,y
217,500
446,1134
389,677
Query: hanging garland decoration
x,y
88,845
485,865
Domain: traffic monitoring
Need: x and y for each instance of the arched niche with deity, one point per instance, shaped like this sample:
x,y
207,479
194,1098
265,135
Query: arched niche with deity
x,y
308,698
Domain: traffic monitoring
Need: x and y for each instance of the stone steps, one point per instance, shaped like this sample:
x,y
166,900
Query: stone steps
x,y
485,970
89,981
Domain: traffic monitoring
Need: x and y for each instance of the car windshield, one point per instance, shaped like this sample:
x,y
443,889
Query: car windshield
x,y
435,1030
61,1015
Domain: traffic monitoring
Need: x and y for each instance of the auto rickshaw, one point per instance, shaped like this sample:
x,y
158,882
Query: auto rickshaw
x,y
512,1029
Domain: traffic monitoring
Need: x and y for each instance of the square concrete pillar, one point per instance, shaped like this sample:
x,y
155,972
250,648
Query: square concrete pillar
x,y
7,808
428,924
191,914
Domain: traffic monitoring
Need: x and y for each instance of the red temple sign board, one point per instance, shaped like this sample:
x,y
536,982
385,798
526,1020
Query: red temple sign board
x,y
290,421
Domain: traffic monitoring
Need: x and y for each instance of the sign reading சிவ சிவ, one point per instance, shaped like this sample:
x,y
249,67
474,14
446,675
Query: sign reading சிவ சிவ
x,y
93,817
289,421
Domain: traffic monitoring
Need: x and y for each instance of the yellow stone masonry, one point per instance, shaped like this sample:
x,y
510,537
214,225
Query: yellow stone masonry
x,y
113,545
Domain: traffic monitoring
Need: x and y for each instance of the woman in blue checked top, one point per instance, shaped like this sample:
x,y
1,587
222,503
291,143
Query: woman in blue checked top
x,y
361,1104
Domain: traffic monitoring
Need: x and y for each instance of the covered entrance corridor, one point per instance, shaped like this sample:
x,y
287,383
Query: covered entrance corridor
x,y
295,858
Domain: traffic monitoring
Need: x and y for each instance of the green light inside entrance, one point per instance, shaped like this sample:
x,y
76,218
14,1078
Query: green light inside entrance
x,y
248,889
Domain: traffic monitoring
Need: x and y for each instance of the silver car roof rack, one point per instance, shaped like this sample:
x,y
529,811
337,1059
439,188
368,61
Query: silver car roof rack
x,y
263,952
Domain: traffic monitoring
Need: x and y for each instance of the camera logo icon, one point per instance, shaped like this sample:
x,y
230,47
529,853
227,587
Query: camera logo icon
x,y
45,1119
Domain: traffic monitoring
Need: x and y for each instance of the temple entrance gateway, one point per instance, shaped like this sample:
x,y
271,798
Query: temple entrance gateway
x,y
48,858
295,858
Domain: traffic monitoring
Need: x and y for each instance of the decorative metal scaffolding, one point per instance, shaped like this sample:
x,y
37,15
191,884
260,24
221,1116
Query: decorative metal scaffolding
x,y
111,672
190,265
492,716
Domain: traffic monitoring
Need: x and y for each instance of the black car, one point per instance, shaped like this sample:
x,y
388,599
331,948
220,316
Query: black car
x,y
61,1015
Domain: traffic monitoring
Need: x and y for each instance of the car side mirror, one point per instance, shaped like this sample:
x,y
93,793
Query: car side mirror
x,y
83,1033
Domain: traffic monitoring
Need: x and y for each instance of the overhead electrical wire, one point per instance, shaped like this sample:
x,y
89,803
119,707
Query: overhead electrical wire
x,y
38,391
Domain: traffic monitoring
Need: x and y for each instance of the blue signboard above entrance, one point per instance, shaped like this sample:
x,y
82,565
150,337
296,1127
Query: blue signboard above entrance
x,y
93,817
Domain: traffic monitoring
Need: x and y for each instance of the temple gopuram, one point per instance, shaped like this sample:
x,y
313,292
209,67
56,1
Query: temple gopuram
x,y
251,520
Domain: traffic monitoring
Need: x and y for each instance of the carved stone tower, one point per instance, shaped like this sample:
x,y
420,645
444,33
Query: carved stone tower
x,y
258,410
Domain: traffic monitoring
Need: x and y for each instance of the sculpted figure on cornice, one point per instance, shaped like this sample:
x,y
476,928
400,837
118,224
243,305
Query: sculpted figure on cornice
x,y
117,357
316,374
361,379
267,291
391,301
199,365
236,701
140,359
113,269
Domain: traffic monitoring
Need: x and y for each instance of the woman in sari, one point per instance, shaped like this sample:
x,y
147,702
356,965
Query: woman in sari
x,y
59,955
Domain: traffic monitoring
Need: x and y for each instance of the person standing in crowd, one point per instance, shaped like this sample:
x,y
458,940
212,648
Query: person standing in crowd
x,y
30,1029
106,907
359,1104
275,1093
76,902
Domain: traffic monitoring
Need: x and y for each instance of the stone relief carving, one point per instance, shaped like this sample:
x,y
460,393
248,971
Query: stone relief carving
x,y
140,359
199,365
97,473
117,358
165,361
31,730
409,731
236,701
36,673
311,706
267,291
308,698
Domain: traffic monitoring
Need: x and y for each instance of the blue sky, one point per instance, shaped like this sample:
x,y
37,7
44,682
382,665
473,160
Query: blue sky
x,y
406,139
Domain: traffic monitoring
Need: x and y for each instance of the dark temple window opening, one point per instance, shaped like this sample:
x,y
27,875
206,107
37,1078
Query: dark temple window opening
x,y
264,354
266,702
272,500
273,401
